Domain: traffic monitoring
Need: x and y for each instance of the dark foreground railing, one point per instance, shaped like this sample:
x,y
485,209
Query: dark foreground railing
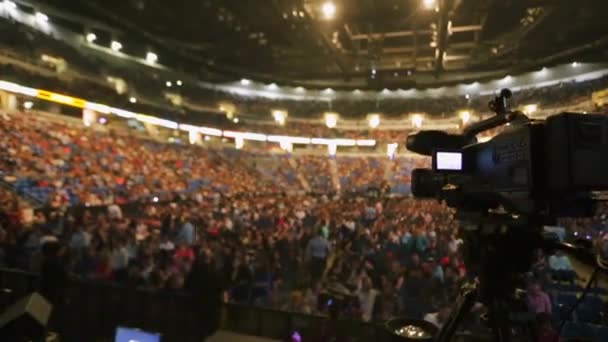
x,y
91,311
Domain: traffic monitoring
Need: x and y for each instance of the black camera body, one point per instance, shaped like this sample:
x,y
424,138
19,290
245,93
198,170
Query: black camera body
x,y
552,167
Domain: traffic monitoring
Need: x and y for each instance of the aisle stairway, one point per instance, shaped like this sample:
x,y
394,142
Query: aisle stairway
x,y
335,179
300,176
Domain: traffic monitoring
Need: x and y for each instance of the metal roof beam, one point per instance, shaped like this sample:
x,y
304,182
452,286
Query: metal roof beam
x,y
397,34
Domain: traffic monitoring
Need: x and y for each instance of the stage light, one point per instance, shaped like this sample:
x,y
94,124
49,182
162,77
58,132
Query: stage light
x,y
465,116
151,57
28,104
417,120
41,17
429,4
91,37
331,119
245,82
116,46
329,10
132,99
168,84
179,83
373,120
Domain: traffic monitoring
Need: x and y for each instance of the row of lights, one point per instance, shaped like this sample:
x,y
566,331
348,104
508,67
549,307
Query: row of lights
x,y
116,46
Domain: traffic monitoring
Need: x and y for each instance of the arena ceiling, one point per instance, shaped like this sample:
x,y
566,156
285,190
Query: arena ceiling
x,y
380,43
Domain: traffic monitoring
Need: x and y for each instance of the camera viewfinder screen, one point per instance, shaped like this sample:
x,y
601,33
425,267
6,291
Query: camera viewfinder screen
x,y
448,161
135,335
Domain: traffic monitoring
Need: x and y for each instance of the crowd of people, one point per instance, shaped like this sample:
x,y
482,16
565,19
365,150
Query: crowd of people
x,y
145,214
297,232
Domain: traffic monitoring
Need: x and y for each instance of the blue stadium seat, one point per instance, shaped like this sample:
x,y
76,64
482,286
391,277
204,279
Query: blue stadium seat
x,y
572,330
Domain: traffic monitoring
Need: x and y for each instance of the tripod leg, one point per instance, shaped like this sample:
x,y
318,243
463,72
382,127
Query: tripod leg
x,y
463,306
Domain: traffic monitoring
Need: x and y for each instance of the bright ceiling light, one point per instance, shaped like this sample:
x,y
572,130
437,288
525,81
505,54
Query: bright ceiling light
x,y
116,46
235,120
373,120
329,10
28,104
417,120
168,84
179,83
331,120
429,4
41,17
465,116
151,57
91,37
132,99
245,82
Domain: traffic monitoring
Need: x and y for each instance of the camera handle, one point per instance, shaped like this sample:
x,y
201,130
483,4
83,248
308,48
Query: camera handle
x,y
501,105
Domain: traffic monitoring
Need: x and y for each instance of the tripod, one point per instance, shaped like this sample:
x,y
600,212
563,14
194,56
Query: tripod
x,y
499,254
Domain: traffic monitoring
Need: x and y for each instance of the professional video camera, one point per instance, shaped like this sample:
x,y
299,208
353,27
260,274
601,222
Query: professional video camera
x,y
504,191
534,167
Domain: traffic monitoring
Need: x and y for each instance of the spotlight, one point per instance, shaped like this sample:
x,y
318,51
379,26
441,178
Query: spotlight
x,y
151,57
329,10
245,82
168,84
132,99
235,120
116,46
28,104
91,37
155,199
41,17
179,83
